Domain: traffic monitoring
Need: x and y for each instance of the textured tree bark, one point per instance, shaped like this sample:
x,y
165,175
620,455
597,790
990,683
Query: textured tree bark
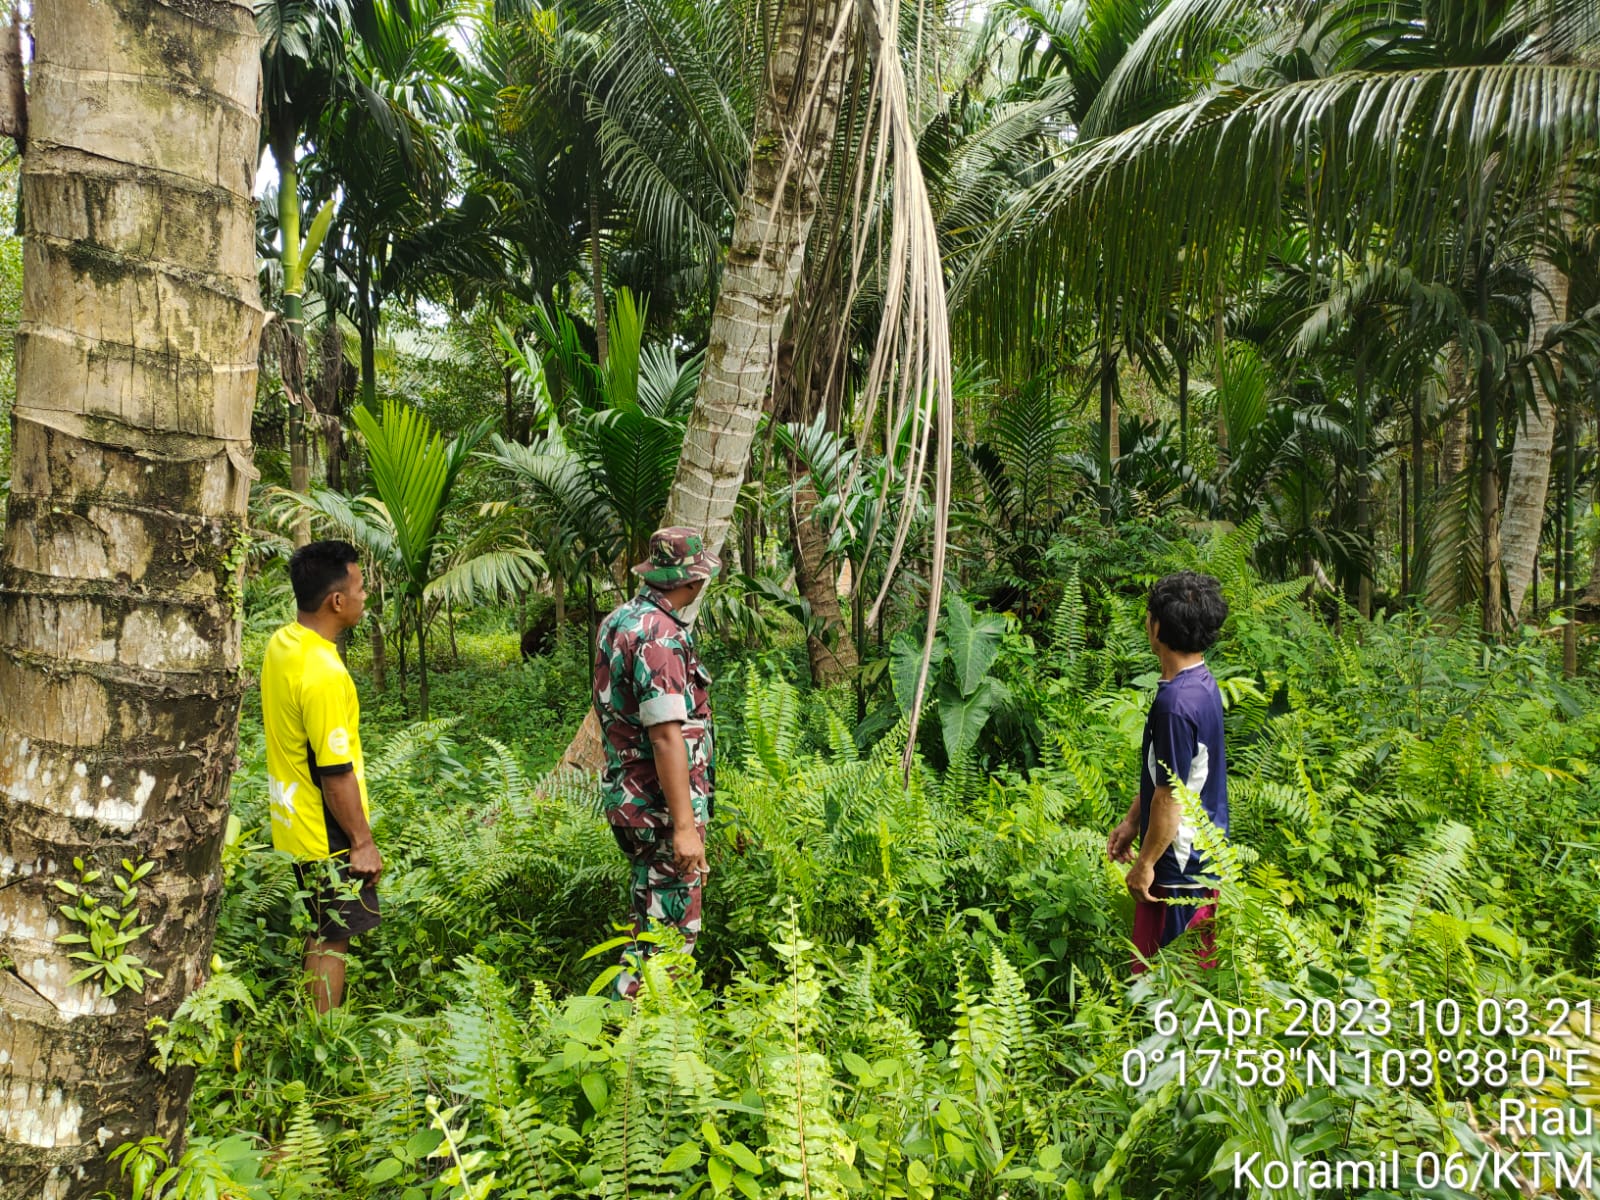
x,y
1528,485
815,579
380,648
120,573
758,282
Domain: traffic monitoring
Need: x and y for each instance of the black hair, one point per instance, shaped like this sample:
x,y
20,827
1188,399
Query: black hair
x,y
317,569
1190,610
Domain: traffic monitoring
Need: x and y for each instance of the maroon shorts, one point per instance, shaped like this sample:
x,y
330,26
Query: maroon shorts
x,y
1155,925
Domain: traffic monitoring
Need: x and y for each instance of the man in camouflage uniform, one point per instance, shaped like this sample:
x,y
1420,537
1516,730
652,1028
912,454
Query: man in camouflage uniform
x,y
653,698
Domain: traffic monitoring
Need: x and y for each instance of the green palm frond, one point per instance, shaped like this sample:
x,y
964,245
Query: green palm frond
x,y
527,372
1204,184
487,576
413,470
355,519
619,375
1180,50
409,471
667,386
635,457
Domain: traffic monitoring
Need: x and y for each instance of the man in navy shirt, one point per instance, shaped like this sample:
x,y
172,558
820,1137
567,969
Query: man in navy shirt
x,y
1182,743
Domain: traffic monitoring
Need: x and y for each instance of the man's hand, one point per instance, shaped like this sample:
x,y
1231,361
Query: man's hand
x,y
689,851
1139,880
365,862
1119,845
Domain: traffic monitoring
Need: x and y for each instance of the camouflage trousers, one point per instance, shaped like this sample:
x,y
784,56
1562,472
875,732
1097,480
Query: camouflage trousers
x,y
659,895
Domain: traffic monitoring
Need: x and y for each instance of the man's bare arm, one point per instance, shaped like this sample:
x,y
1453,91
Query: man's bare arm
x,y
672,770
342,794
1165,816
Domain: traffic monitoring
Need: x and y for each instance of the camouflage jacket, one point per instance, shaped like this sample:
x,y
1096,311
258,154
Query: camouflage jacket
x,y
646,671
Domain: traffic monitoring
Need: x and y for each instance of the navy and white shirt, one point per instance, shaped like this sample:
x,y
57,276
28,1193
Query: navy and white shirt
x,y
1183,740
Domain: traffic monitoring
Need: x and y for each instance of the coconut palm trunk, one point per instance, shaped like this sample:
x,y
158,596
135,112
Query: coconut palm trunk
x,y
1528,484
120,575
793,137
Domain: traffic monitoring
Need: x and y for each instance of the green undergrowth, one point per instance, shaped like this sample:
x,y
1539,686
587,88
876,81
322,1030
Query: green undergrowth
x,y
919,990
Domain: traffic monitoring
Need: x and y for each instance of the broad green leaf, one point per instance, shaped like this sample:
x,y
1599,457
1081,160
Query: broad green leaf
x,y
681,1158
595,1088
905,657
962,718
421,1144
385,1171
744,1158
973,639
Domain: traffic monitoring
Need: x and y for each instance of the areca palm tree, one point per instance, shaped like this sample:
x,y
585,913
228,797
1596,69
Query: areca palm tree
x,y
1406,122
304,66
386,153
401,524
596,482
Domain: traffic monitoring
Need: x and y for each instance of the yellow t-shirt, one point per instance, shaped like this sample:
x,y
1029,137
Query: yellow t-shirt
x,y
312,719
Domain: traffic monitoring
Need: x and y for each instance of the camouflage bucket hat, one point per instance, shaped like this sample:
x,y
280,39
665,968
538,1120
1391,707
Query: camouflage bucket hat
x,y
677,555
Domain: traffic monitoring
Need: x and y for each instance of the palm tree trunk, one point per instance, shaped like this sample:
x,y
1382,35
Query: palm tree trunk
x,y
1219,335
293,365
792,143
1108,430
1489,472
400,644
1405,530
1529,483
597,270
380,649
1183,408
763,263
1568,548
330,379
1363,489
815,580
119,578
1418,457
369,331
422,660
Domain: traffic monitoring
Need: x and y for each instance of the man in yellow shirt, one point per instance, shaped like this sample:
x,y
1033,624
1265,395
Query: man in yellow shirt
x,y
316,777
